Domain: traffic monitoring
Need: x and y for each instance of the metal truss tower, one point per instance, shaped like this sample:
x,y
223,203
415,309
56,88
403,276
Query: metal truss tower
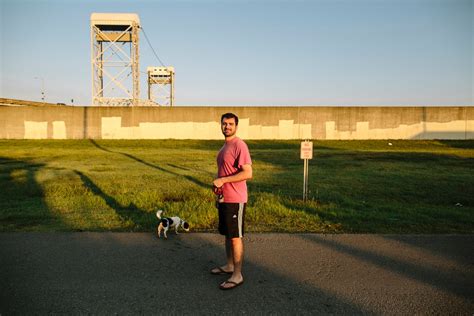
x,y
161,85
115,55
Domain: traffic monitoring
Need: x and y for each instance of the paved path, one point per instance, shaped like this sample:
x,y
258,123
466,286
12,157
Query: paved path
x,y
136,273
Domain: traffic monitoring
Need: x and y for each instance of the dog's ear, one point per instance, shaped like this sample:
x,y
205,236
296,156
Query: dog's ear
x,y
185,225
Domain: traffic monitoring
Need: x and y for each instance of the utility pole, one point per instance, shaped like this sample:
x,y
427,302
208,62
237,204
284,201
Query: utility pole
x,y
42,88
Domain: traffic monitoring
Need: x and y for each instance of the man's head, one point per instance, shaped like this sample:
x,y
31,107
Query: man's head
x,y
229,123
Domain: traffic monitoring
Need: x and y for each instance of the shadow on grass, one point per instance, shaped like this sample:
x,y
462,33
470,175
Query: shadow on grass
x,y
188,177
22,200
178,167
131,212
390,191
463,144
385,188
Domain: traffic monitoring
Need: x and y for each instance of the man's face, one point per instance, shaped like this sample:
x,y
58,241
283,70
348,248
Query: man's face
x,y
228,127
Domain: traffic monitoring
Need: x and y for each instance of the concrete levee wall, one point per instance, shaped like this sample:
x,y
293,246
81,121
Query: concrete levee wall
x,y
67,122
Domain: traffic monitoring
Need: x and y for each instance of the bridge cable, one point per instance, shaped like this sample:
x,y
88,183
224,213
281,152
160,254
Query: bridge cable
x,y
146,37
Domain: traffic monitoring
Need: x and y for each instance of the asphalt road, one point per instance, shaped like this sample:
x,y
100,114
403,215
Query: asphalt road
x,y
137,273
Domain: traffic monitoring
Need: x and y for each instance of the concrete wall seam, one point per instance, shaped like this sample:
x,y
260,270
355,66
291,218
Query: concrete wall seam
x,y
30,122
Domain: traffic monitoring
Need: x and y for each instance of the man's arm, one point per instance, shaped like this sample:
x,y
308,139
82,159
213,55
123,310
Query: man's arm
x,y
244,174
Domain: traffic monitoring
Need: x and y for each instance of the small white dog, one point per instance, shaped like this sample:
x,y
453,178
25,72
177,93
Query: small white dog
x,y
170,222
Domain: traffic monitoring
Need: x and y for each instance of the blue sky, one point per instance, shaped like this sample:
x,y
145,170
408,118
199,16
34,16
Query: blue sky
x,y
321,52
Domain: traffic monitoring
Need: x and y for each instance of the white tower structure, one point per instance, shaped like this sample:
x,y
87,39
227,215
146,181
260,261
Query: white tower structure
x,y
161,85
114,50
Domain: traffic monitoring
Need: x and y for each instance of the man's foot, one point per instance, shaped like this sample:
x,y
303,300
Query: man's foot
x,y
221,271
229,285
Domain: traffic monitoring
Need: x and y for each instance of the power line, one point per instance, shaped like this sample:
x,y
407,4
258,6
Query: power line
x,y
146,37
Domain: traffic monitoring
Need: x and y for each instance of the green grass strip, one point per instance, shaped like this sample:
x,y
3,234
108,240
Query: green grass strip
x,y
355,186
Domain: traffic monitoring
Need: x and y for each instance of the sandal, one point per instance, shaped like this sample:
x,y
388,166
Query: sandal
x,y
220,271
235,284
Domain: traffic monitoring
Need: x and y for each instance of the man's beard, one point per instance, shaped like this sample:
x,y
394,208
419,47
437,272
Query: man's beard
x,y
229,135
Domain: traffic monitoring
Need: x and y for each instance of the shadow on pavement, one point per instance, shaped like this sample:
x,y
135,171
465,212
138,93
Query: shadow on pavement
x,y
106,273
385,253
137,273
442,246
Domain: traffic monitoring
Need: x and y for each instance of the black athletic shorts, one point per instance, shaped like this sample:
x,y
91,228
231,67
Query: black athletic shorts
x,y
231,219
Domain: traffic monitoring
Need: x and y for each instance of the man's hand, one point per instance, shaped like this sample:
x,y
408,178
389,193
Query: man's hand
x,y
244,174
219,182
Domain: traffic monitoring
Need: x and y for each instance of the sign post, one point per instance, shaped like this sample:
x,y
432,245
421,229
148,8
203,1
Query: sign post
x,y
306,154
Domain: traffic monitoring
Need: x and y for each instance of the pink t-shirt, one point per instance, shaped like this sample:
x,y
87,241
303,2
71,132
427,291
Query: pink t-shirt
x,y
232,156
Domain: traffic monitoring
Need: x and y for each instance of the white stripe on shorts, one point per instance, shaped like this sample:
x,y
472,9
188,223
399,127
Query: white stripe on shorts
x,y
241,214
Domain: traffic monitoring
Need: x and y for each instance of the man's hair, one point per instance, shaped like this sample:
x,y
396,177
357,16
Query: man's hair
x,y
230,115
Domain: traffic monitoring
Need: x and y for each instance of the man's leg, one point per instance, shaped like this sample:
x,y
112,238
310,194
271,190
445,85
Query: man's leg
x,y
233,245
229,253
237,251
238,257
229,266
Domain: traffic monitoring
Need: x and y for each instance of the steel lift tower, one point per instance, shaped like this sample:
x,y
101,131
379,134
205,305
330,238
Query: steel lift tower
x,y
163,79
115,69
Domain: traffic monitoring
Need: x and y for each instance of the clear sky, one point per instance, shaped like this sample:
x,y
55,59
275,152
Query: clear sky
x,y
321,52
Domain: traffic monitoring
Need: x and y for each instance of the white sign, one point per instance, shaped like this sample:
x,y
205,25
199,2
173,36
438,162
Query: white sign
x,y
306,150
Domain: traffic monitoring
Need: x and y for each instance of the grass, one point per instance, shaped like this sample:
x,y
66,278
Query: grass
x,y
355,186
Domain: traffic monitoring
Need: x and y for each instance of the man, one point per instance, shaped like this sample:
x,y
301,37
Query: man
x,y
234,168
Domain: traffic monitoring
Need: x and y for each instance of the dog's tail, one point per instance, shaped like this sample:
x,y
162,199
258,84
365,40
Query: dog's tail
x,y
158,213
